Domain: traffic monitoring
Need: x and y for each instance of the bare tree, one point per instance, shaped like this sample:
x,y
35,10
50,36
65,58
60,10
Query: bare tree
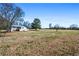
x,y
11,13
27,24
50,26
56,26
74,26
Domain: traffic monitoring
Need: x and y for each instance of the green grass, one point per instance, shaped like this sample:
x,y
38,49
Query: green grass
x,y
42,42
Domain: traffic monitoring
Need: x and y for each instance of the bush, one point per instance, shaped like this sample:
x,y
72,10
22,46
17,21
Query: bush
x,y
2,33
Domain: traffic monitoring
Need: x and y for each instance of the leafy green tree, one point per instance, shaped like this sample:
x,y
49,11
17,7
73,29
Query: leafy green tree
x,y
36,24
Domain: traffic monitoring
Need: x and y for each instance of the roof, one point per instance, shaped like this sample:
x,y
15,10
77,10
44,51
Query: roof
x,y
18,26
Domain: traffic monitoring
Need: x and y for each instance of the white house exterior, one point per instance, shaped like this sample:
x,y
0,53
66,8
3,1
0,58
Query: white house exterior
x,y
18,26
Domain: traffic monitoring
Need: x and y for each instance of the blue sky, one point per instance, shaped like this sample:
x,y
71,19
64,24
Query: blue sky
x,y
56,13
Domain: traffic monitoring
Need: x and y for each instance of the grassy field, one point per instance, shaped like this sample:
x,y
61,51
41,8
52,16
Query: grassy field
x,y
42,42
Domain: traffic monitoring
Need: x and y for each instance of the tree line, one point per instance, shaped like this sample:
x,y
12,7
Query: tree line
x,y
57,26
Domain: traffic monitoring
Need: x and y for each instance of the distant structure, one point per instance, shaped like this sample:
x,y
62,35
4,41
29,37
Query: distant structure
x,y
18,26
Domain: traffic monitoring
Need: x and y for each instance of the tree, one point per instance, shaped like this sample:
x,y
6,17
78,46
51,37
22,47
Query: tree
x,y
74,26
3,24
50,26
36,24
11,13
56,27
27,24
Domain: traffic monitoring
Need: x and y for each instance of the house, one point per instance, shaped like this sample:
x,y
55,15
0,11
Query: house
x,y
18,26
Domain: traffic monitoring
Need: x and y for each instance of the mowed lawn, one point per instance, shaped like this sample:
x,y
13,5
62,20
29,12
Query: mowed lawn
x,y
40,43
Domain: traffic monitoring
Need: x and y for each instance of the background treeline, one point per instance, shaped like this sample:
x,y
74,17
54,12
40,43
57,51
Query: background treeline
x,y
57,26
